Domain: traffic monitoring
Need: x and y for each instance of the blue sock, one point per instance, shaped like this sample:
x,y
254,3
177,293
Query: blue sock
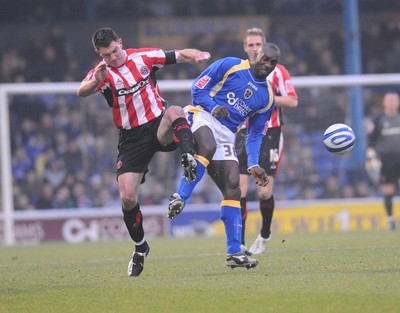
x,y
232,218
185,188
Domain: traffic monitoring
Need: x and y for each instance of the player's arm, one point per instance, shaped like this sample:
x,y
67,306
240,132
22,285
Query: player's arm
x,y
191,56
285,95
372,138
204,84
255,133
89,85
372,162
373,133
286,101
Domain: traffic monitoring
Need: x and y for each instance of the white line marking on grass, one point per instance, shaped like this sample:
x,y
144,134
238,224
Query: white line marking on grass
x,y
183,256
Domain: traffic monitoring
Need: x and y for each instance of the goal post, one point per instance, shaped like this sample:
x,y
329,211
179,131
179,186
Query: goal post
x,y
7,90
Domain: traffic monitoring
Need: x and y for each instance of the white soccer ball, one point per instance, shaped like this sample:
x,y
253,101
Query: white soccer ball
x,y
339,139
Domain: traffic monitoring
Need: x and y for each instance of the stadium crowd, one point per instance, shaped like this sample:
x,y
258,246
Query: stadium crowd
x,y
64,148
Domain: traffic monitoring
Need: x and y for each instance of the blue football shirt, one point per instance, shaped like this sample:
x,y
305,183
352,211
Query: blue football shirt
x,y
231,83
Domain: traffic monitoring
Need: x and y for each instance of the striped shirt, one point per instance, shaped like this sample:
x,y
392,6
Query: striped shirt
x,y
131,90
282,86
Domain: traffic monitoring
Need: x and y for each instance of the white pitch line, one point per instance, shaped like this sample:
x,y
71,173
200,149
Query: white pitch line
x,y
185,256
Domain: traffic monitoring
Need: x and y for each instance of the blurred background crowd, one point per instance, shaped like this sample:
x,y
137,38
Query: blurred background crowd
x,y
64,147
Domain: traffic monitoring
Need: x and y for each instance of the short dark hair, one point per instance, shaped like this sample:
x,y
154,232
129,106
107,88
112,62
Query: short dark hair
x,y
103,37
270,45
265,47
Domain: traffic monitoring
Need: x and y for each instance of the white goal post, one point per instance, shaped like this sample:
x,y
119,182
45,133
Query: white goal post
x,y
6,90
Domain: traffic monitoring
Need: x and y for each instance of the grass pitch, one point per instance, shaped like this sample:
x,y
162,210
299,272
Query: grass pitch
x,y
327,272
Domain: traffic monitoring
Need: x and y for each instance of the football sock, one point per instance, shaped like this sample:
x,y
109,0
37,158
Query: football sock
x,y
232,219
134,223
185,188
183,135
389,205
244,211
267,211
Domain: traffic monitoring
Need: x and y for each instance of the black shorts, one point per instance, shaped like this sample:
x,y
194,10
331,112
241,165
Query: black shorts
x,y
390,170
137,146
270,152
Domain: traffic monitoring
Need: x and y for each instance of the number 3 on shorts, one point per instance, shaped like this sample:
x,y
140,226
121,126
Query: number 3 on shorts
x,y
229,150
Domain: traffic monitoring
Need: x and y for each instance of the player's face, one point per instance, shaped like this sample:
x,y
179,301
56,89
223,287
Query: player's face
x,y
252,45
391,104
113,55
265,62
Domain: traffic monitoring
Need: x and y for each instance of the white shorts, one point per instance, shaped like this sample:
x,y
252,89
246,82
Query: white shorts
x,y
224,138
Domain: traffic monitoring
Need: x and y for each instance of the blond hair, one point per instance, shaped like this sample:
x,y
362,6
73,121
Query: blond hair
x,y
255,31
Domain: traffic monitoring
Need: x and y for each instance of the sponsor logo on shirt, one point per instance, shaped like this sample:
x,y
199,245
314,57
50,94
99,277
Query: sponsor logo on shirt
x,y
252,86
238,104
202,82
134,88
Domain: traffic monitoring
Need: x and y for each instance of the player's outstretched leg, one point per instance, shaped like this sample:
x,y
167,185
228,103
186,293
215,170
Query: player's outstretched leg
x,y
189,165
184,137
178,199
175,206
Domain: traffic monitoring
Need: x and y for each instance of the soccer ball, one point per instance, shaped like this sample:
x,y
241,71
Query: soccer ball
x,y
339,139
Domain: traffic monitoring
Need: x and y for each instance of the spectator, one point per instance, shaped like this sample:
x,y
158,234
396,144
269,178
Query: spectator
x,y
46,197
63,199
55,172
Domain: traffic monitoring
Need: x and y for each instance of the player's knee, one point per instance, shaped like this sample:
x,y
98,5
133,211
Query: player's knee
x,y
128,200
174,112
264,194
231,193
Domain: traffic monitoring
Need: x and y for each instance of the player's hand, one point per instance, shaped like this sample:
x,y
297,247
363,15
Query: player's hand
x,y
259,175
202,57
220,111
101,71
373,165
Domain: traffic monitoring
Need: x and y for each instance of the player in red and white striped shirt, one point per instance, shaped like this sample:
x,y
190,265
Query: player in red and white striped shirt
x,y
126,78
272,147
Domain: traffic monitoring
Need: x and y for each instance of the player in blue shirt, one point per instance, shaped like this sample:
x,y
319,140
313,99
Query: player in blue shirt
x,y
227,93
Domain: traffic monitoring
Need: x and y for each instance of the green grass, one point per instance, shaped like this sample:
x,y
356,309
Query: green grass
x,y
329,272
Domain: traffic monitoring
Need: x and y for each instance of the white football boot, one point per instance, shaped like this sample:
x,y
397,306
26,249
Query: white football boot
x,y
259,245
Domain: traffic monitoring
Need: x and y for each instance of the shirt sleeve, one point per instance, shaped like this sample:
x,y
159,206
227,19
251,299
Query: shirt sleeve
x,y
206,82
171,56
374,134
256,130
282,82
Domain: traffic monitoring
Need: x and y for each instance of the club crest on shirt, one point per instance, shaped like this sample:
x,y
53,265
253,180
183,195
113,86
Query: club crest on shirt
x,y
144,71
202,82
248,93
